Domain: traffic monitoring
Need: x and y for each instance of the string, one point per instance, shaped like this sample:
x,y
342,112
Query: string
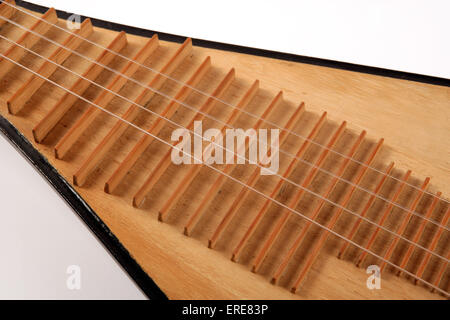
x,y
176,124
407,210
194,133
245,185
244,111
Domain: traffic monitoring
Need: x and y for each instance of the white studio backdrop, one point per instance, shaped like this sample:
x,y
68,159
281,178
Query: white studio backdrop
x,y
403,35
47,251
41,237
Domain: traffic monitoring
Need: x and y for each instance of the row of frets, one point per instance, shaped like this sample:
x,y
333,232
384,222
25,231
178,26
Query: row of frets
x,y
17,101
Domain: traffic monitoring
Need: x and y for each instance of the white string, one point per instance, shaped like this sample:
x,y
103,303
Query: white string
x,y
218,120
242,110
180,126
247,186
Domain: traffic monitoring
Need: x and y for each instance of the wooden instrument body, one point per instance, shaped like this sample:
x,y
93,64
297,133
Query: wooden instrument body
x,y
413,118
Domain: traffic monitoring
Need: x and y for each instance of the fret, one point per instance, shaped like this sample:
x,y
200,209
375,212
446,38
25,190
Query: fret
x,y
432,246
335,217
385,215
254,178
66,142
404,224
42,129
418,233
28,40
93,160
59,55
441,272
187,179
284,215
195,217
291,167
6,11
164,163
366,209
157,126
331,186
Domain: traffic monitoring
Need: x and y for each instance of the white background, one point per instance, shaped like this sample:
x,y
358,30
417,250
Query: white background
x,y
405,35
39,234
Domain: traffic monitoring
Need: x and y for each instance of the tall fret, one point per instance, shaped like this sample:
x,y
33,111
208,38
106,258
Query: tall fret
x,y
93,160
192,173
114,86
331,186
28,40
251,182
335,217
237,251
156,127
59,55
206,200
42,129
164,163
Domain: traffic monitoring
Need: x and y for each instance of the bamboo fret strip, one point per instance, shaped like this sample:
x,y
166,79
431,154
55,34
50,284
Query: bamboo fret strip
x,y
441,272
6,11
267,203
41,130
432,246
385,215
66,142
366,209
187,179
28,40
164,163
92,161
418,232
156,127
284,215
195,217
251,182
335,217
404,224
29,88
331,186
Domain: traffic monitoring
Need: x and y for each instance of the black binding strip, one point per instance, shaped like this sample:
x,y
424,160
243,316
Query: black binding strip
x,y
97,226
247,50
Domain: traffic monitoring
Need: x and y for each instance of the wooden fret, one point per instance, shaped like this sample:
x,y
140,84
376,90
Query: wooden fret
x,y
252,180
385,215
161,167
34,82
268,202
332,185
187,179
93,160
432,246
404,224
284,215
41,130
27,40
368,205
157,126
195,217
6,11
66,142
418,232
335,217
